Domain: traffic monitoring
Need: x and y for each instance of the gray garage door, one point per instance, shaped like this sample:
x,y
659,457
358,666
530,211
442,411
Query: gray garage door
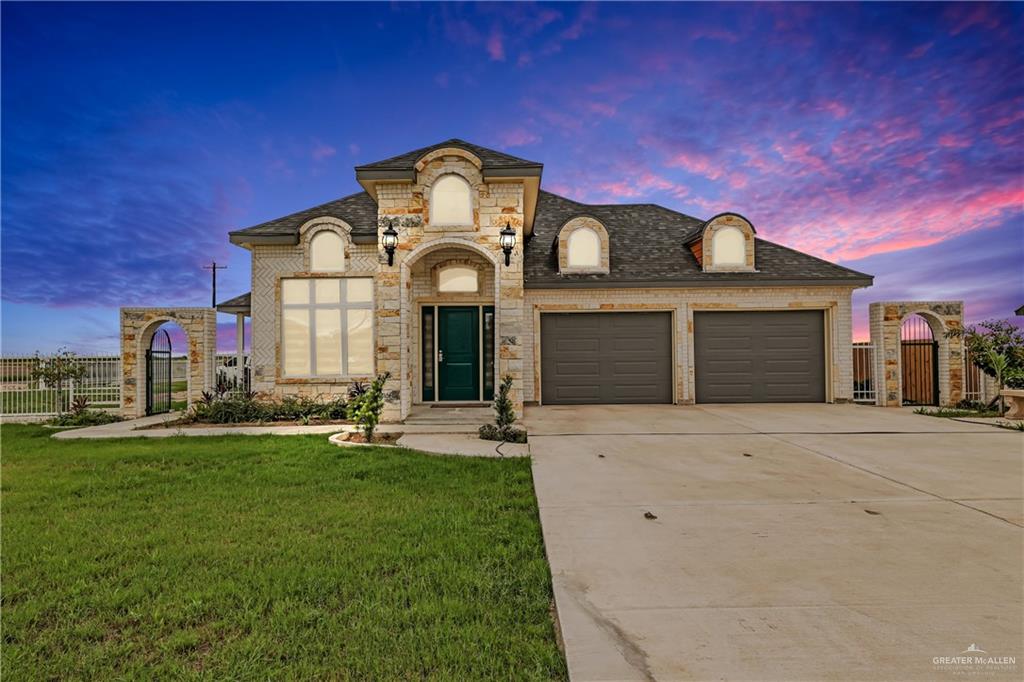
x,y
759,357
606,358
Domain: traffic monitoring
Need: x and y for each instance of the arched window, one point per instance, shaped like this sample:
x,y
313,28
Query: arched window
x,y
728,247
326,252
457,279
584,249
450,201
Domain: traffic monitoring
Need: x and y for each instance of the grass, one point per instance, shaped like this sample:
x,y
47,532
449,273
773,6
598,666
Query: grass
x,y
268,558
950,413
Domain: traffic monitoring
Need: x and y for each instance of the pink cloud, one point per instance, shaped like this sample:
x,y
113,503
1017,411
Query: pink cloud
x,y
953,141
496,44
920,50
322,151
518,137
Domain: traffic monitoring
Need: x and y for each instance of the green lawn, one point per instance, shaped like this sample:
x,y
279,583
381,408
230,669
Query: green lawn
x,y
268,558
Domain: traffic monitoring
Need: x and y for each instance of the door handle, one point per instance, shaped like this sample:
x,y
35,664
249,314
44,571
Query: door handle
x,y
440,355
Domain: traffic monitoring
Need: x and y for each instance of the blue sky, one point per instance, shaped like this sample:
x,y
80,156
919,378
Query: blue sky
x,y
135,136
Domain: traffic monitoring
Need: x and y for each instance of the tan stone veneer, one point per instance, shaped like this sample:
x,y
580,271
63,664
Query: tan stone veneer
x,y
682,303
886,320
138,325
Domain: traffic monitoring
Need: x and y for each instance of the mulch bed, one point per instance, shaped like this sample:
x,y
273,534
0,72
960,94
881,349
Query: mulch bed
x,y
390,438
182,424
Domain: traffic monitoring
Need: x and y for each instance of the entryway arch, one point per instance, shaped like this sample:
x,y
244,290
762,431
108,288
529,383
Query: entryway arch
x,y
138,327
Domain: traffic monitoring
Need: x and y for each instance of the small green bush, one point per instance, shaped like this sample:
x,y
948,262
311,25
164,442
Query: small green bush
x,y
253,408
367,406
508,434
85,418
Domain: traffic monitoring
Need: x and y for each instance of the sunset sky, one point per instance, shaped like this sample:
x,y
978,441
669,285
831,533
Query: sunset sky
x,y
889,138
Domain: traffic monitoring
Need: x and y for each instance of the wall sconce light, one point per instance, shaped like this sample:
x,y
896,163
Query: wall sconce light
x,y
508,241
390,242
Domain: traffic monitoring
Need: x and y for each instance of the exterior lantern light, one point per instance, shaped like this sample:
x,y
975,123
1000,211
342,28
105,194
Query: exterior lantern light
x,y
390,241
508,241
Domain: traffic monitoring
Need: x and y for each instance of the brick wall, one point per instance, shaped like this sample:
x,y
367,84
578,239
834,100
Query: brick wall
x,y
683,302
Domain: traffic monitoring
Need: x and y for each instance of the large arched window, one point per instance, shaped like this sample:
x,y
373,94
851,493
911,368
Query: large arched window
x,y
326,252
584,248
451,202
728,247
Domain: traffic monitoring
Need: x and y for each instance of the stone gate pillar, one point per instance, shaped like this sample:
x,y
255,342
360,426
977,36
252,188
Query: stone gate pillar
x,y
886,319
138,325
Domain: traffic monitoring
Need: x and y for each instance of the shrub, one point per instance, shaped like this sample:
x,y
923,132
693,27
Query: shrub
x,y
508,434
367,406
992,341
81,415
504,418
252,407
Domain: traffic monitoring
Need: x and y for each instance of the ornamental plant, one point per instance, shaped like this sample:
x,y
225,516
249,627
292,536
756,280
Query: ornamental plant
x,y
991,340
504,417
56,370
366,408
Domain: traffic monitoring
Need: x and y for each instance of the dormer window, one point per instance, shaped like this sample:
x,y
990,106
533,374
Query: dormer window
x,y
451,201
584,249
727,247
326,252
725,244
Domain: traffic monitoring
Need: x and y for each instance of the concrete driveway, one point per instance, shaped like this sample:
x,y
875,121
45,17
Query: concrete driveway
x,y
791,542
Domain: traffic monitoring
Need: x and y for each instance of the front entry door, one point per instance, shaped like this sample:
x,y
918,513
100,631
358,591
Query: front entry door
x,y
458,353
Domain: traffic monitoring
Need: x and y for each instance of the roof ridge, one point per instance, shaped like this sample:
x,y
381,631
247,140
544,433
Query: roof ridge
x,y
809,255
623,205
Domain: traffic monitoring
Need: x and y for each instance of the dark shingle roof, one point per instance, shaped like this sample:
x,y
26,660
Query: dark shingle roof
x,y
358,210
240,303
647,246
490,157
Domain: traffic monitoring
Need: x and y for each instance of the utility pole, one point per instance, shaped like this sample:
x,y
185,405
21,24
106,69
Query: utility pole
x,y
213,268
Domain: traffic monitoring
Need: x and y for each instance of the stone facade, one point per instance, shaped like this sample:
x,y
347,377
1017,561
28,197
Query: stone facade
x,y
583,222
271,264
682,303
495,205
138,325
886,320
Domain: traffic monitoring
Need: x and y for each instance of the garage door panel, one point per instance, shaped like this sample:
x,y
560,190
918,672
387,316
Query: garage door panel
x,y
613,357
759,356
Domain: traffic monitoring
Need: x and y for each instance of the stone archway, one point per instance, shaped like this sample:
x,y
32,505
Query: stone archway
x,y
138,325
886,319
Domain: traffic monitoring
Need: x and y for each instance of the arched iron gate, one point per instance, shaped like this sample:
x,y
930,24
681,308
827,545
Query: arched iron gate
x,y
158,373
919,362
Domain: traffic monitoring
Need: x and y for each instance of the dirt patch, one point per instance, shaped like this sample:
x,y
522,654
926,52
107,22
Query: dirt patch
x,y
390,438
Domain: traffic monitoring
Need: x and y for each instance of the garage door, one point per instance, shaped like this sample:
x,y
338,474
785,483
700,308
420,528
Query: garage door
x,y
606,358
759,357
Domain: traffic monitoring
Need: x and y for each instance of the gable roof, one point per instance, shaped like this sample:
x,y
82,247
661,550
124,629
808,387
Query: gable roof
x,y
358,210
647,249
491,158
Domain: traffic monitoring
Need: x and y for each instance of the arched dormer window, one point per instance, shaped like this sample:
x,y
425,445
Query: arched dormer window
x,y
583,246
725,243
584,249
326,252
728,247
451,201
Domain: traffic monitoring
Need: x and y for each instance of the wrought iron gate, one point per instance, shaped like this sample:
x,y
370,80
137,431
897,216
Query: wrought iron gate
x,y
158,375
919,362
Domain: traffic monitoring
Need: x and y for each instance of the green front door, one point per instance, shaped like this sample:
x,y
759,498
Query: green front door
x,y
458,353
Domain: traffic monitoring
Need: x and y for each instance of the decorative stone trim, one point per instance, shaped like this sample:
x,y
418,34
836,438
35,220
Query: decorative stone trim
x,y
577,223
436,170
315,226
718,223
448,151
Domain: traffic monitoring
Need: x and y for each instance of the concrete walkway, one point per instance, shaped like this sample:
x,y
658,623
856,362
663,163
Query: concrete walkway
x,y
786,542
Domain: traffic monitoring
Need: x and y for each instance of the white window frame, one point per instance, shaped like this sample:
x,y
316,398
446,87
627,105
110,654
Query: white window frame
x,y
312,306
469,200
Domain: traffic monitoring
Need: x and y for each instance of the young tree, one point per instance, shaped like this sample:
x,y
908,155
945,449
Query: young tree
x,y
504,413
997,348
56,370
369,405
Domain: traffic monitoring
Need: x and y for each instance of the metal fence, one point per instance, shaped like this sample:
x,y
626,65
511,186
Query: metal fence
x,y
21,395
864,389
978,387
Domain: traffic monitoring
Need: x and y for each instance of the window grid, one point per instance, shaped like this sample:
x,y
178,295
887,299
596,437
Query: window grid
x,y
311,306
